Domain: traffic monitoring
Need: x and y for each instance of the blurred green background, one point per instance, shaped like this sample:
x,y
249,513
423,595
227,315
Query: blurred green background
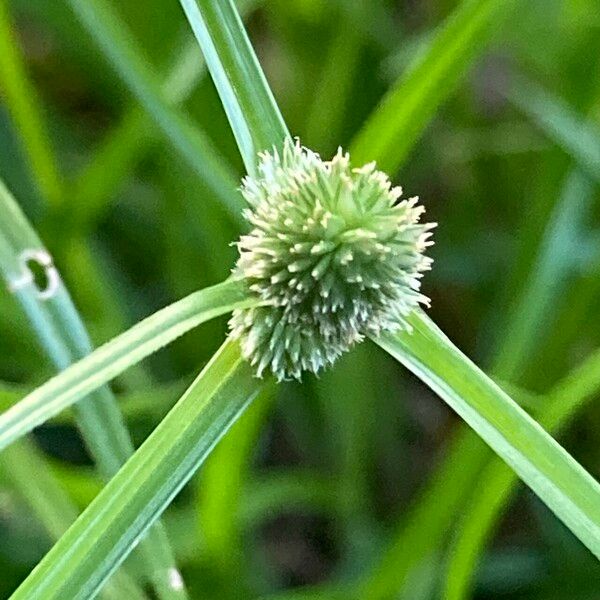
x,y
315,485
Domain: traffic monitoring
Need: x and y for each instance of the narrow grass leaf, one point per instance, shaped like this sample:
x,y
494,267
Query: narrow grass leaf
x,y
578,137
248,101
280,491
126,143
111,35
47,500
22,101
111,359
497,483
564,486
52,507
548,274
393,128
330,103
110,527
422,530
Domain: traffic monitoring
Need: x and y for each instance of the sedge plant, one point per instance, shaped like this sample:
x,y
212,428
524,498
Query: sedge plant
x,y
333,257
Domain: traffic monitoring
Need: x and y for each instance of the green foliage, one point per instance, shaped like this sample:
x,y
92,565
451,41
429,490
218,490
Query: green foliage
x,y
194,146
91,550
247,99
566,488
116,356
122,154
23,103
394,127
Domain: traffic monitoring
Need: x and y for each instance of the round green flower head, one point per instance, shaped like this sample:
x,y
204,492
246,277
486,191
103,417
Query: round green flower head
x,y
334,254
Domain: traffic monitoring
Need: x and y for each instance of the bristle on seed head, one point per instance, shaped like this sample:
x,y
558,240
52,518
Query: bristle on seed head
x,y
334,253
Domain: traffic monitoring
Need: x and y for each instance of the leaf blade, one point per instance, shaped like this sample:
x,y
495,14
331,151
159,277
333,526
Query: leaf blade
x,y
497,483
104,25
553,116
110,360
564,486
392,129
22,100
251,109
108,529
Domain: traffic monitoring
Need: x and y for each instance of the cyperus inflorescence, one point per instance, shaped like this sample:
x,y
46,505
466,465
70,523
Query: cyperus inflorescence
x,y
334,254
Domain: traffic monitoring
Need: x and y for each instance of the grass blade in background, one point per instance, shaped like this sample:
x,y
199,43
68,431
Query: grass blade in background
x,y
552,265
248,101
51,506
394,127
348,396
61,333
111,359
47,500
564,486
580,138
325,117
107,530
22,101
104,25
420,532
99,180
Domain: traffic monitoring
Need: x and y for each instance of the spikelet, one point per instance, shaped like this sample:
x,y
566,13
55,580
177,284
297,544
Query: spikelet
x,y
334,253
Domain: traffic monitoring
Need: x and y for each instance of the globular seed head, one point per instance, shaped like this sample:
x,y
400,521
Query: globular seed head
x,y
334,254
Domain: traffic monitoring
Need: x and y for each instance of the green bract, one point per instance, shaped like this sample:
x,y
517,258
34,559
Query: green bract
x,y
332,251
